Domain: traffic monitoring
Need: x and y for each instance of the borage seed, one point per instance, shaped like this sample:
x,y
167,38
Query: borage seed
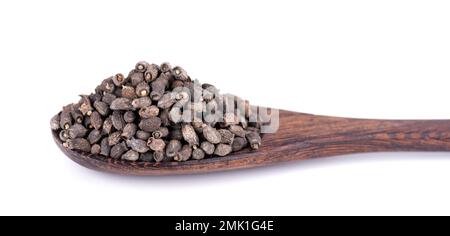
x,y
117,120
96,120
208,148
79,144
142,89
142,135
254,140
129,130
118,150
141,102
156,144
94,136
121,104
129,117
128,92
130,156
223,150
159,156
173,147
198,154
227,136
138,145
189,135
102,107
105,148
151,73
184,154
150,125
96,149
239,143
77,131
162,132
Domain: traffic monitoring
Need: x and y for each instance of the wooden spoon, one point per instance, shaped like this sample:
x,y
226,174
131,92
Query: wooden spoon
x,y
300,137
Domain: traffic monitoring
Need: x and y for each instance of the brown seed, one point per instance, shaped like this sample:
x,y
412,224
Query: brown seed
x,y
164,115
180,74
161,133
105,148
211,134
121,104
118,80
159,87
130,156
101,107
77,116
136,77
177,84
156,144
79,144
114,138
54,122
96,149
184,154
227,136
118,150
96,120
148,112
175,115
167,101
128,92
65,119
198,154
94,136
173,148
146,157
176,134
141,102
189,135
143,89
77,131
108,98
141,66
138,145
107,86
239,143
208,148
129,117
117,120
93,97
165,67
158,156
223,150
107,125
150,125
85,105
63,135
87,122
142,135
254,139
129,130
151,73
238,131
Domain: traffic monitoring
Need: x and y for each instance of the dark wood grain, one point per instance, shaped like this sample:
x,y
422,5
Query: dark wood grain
x,y
301,136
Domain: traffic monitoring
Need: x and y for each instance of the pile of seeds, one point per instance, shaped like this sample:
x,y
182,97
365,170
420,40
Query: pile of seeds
x,y
157,113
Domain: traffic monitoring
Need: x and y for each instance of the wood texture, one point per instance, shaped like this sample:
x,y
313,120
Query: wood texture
x,y
301,136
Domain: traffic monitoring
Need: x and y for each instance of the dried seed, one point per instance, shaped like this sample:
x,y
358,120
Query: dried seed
x,y
107,86
114,138
63,135
164,115
85,105
129,130
150,125
141,102
189,135
198,154
158,156
105,148
130,156
254,139
102,107
211,134
93,97
138,145
107,125
94,136
208,148
117,120
87,122
177,84
128,92
239,143
118,80
121,104
65,119
159,87
77,131
165,67
141,66
166,101
184,154
79,144
146,157
108,98
173,147
162,132
180,74
96,149
129,117
156,144
176,134
118,92
142,135
77,116
238,131
136,77
96,120
151,73
175,115
227,136
118,150
54,122
148,112
142,89
223,150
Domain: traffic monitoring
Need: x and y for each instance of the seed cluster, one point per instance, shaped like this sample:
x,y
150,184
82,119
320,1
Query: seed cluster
x,y
157,113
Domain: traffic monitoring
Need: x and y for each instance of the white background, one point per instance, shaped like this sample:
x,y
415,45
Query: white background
x,y
371,59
